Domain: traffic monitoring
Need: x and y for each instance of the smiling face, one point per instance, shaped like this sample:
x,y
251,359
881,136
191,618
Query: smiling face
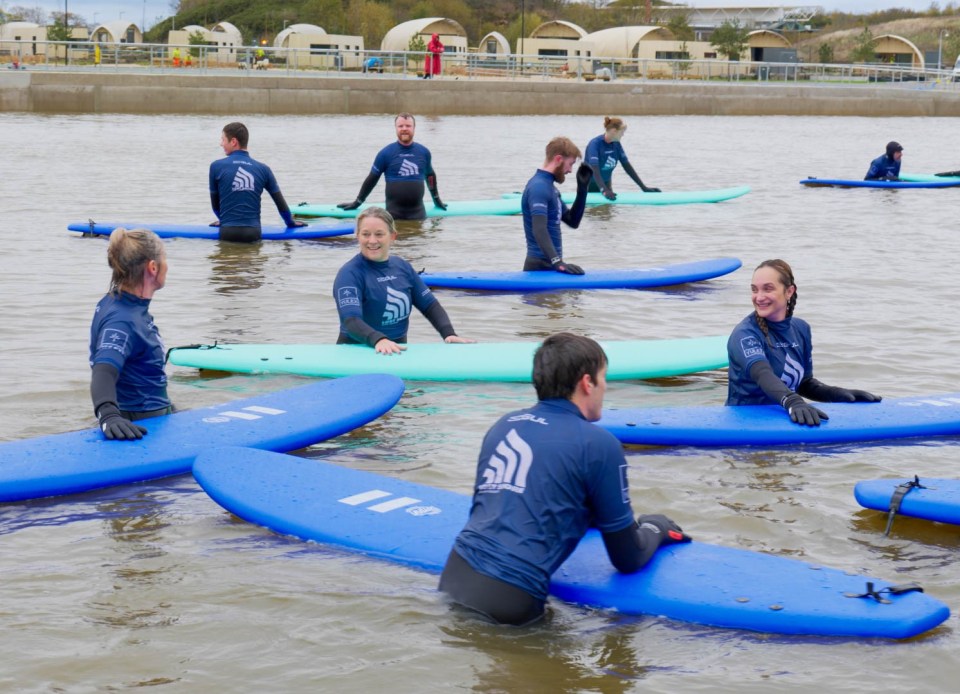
x,y
405,128
770,295
375,238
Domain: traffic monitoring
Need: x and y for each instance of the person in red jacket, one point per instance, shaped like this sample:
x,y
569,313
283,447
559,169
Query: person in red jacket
x,y
431,64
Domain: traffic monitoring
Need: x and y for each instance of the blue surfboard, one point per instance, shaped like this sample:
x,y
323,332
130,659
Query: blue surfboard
x,y
416,525
936,499
633,278
769,425
282,421
845,183
270,232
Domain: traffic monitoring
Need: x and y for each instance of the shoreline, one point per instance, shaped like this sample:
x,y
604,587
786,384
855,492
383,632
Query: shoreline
x,y
53,92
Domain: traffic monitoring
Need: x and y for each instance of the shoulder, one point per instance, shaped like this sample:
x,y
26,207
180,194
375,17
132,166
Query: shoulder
x,y
747,325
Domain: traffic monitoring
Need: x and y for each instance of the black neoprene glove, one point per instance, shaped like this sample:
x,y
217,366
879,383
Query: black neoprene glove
x,y
584,174
669,532
608,193
437,202
650,189
568,268
350,205
802,412
849,395
117,427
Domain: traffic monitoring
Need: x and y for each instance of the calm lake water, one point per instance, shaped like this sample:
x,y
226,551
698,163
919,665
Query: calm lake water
x,y
155,585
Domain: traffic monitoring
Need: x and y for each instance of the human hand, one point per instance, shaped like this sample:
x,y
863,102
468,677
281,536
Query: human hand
x,y
584,174
848,395
388,347
437,202
650,189
350,205
117,427
670,533
296,224
568,268
609,194
457,340
802,412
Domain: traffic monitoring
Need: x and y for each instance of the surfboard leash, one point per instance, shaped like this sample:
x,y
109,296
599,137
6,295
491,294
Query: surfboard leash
x,y
878,595
901,491
166,358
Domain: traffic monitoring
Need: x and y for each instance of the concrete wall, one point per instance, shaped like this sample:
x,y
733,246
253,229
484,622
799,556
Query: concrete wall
x,y
246,92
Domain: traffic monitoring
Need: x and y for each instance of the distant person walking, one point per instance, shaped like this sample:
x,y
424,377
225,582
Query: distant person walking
x,y
432,65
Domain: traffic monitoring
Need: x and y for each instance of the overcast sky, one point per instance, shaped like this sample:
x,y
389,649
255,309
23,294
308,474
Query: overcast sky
x,y
151,11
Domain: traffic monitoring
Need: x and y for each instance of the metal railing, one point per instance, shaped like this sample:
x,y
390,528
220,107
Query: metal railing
x,y
204,59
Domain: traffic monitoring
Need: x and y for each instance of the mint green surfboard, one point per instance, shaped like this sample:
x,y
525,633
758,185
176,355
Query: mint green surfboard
x,y
489,361
456,208
638,197
925,178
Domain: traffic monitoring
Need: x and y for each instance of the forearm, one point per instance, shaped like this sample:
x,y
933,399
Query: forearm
x,y
361,331
369,183
631,172
282,208
542,237
775,389
439,319
103,385
629,549
215,202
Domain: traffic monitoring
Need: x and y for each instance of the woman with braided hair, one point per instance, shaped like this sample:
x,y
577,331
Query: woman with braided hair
x,y
771,354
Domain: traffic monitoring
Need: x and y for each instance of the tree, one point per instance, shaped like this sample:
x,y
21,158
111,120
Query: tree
x,y
679,26
825,53
730,39
196,39
59,32
863,47
19,13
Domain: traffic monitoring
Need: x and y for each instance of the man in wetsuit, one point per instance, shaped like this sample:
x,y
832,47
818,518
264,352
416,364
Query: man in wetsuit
x,y
406,165
886,167
236,184
545,475
543,210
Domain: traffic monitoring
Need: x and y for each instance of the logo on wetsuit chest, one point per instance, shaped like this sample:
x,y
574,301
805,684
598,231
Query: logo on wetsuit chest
x,y
508,467
243,181
611,162
408,169
397,308
793,372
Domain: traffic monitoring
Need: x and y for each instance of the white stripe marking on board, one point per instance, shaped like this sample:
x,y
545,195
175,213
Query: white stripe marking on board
x,y
264,410
241,415
393,504
364,497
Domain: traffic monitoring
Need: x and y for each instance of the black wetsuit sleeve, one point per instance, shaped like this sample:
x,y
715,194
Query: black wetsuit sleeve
x,y
629,549
103,385
815,390
542,237
439,319
773,387
369,183
283,208
572,216
597,176
215,202
362,332
628,168
432,185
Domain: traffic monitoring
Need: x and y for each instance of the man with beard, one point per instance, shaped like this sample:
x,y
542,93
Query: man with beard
x,y
543,210
406,165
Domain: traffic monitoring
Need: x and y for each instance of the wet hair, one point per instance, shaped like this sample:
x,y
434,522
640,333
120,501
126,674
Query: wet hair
x,y
785,274
562,360
239,131
128,253
379,213
612,123
405,115
564,147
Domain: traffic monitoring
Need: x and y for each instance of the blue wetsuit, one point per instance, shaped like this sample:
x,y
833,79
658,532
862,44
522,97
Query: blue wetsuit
x,y
541,197
124,335
374,301
883,167
405,169
604,155
790,357
236,184
545,475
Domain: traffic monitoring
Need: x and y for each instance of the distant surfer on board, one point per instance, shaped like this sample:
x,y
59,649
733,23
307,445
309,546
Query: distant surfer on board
x,y
543,210
407,166
127,380
603,154
771,353
545,475
236,184
886,167
375,291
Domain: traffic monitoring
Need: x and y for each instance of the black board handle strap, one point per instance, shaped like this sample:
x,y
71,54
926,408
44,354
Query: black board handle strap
x,y
901,491
166,358
878,595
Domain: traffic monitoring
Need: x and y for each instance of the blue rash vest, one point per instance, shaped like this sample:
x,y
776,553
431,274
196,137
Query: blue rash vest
x,y
240,181
881,167
541,197
605,155
790,357
381,294
404,168
545,475
124,335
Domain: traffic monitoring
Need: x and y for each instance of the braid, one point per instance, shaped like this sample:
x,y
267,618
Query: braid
x,y
764,328
792,303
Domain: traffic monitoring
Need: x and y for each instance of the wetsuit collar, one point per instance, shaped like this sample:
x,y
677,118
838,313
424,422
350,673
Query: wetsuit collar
x,y
562,404
133,299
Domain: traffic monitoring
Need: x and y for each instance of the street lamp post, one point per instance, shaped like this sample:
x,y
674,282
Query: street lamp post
x,y
943,32
523,30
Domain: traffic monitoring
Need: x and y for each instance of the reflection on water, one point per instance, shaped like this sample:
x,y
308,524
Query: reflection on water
x,y
237,267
